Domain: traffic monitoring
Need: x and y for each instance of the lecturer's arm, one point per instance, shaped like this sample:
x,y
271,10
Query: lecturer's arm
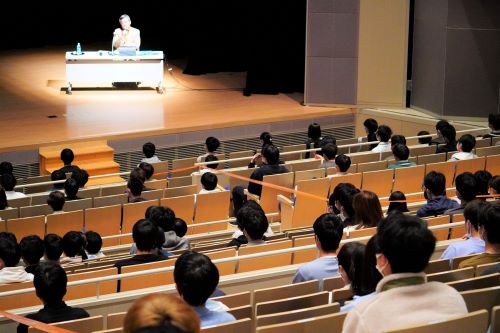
x,y
117,38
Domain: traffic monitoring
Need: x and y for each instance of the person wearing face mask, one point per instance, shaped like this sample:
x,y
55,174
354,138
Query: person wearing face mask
x,y
340,203
404,297
435,192
473,243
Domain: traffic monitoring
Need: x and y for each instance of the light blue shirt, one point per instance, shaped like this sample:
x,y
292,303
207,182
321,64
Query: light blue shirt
x,y
212,313
356,300
462,248
323,267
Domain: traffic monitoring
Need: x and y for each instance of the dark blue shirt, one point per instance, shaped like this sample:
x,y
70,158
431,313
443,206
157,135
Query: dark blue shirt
x,y
437,206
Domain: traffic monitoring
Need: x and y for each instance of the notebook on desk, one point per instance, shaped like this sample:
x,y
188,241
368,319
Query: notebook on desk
x,y
127,51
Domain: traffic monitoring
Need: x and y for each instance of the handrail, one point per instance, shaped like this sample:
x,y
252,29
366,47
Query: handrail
x,y
215,261
247,158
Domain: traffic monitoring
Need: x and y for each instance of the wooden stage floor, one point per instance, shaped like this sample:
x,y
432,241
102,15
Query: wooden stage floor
x,y
36,111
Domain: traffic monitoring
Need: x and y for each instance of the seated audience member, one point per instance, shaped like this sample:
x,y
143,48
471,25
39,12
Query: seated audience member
x,y
494,125
401,154
145,236
359,271
371,127
473,244
81,176
340,203
209,183
466,189
52,244
211,145
196,278
56,201
67,157
212,167
313,138
149,170
3,200
265,139
449,134
252,224
440,138
180,228
404,297
435,193
328,231
149,150
368,211
32,251
71,189
134,190
329,152
73,245
342,164
383,135
10,254
401,207
8,181
482,178
398,139
465,145
161,313
494,186
489,231
270,159
56,176
93,245
6,167
138,173
425,140
50,284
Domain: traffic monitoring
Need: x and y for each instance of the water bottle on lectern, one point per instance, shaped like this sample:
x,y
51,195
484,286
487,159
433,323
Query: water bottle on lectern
x,y
78,49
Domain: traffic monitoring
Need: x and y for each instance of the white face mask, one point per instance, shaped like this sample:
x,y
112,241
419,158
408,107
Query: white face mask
x,y
380,269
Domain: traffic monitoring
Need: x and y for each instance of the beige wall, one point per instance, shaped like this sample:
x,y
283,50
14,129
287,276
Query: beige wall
x,y
383,50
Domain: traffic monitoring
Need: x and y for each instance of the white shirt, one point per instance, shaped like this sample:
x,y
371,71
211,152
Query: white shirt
x,y
151,160
382,147
203,191
14,195
462,156
14,274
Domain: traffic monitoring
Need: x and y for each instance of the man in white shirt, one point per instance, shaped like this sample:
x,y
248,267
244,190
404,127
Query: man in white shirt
x,y
149,149
126,35
9,182
209,183
10,254
465,145
383,135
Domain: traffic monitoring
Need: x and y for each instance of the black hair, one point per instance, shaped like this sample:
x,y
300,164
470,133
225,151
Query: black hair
x,y
329,230
162,216
494,121
32,249
180,227
488,219
212,144
435,182
266,138
81,176
406,242
441,123
138,173
449,133
370,276
271,154
149,169
401,207
384,132
8,181
400,152
211,158
3,199
466,186
329,151
135,185
53,246
371,125
145,235
148,149
425,140
196,277
94,242
10,253
58,175
344,193
6,167
50,282
314,131
209,181
252,219
483,178
468,142
472,210
56,201
351,257
71,188
343,162
398,139
73,244
67,156
494,183
327,139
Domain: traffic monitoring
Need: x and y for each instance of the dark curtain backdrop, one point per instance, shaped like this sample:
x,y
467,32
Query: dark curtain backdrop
x,y
266,38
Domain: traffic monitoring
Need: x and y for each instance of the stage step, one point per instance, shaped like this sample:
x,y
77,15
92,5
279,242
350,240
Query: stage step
x,y
104,181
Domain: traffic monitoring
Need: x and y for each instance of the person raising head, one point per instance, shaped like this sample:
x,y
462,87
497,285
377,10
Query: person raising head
x,y
126,35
